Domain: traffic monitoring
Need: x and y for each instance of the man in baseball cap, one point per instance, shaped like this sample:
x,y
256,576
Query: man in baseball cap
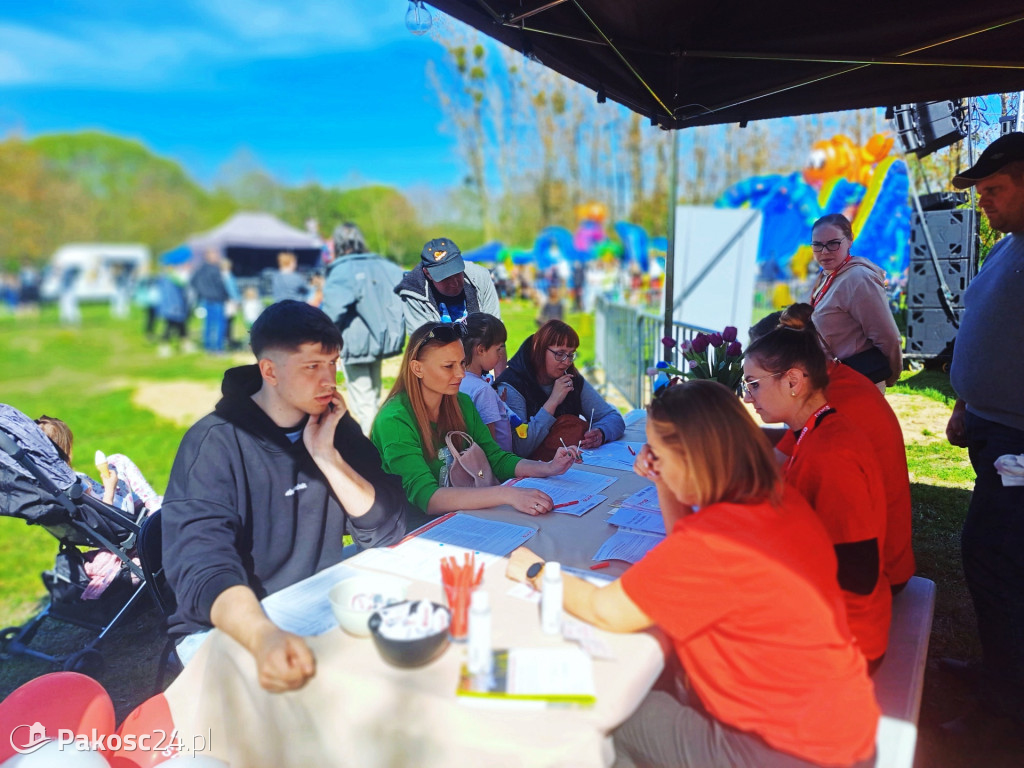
x,y
444,287
988,419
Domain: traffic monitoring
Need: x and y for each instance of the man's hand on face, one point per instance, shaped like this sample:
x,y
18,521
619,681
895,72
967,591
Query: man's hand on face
x,y
318,435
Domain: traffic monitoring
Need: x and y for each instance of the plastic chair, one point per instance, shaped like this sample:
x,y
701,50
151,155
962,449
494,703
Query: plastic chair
x,y
54,701
150,550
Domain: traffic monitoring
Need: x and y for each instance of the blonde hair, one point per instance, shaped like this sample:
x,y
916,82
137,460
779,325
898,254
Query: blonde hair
x,y
728,457
58,432
449,416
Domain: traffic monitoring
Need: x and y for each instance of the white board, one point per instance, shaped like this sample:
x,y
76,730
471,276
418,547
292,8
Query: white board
x,y
721,244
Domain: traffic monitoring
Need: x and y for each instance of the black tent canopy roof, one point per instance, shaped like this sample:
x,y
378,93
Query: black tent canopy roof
x,y
684,63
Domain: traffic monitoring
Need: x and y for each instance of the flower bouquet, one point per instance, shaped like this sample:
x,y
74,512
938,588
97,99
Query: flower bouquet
x,y
715,356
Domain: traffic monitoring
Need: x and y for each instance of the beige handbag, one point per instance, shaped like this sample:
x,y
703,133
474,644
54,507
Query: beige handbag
x,y
470,468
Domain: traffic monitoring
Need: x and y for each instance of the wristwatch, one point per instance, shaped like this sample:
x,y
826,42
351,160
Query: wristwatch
x,y
533,572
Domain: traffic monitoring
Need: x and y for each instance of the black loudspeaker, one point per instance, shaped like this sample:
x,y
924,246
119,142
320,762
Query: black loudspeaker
x,y
932,320
928,126
942,201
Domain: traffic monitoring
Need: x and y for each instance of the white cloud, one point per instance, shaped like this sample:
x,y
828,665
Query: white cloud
x,y
301,24
134,51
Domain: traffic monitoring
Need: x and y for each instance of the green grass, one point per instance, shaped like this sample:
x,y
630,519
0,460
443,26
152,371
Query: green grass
x,y
86,376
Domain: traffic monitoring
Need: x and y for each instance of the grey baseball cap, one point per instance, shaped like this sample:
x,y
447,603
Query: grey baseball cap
x,y
442,259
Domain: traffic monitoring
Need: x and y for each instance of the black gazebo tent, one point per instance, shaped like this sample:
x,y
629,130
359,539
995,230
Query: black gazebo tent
x,y
685,63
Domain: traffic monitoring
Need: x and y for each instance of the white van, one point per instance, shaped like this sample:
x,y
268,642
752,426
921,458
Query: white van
x,y
96,268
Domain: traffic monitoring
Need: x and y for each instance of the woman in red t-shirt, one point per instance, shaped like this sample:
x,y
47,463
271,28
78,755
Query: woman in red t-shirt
x,y
833,466
744,586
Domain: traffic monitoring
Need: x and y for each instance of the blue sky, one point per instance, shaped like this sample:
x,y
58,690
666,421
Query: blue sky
x,y
327,90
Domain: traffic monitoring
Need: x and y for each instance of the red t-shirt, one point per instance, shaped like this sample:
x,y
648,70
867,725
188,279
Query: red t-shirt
x,y
835,469
748,595
859,400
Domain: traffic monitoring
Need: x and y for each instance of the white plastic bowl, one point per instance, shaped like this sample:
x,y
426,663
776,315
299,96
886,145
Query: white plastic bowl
x,y
354,600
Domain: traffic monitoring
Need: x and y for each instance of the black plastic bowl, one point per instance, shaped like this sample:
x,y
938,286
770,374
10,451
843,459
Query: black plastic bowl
x,y
409,653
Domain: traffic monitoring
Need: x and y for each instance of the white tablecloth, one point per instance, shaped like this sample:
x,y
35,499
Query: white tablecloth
x,y
359,711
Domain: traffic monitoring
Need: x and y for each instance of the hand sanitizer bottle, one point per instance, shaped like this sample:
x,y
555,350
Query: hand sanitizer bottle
x,y
479,646
551,599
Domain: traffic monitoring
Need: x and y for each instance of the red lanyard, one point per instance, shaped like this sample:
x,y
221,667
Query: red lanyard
x,y
815,298
810,425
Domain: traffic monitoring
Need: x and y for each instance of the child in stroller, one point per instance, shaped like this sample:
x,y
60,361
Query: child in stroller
x,y
38,486
123,484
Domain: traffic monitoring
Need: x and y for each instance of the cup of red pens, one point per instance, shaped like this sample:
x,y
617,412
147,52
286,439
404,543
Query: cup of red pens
x,y
459,580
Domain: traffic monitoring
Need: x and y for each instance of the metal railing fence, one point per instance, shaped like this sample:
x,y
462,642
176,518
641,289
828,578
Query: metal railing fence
x,y
627,341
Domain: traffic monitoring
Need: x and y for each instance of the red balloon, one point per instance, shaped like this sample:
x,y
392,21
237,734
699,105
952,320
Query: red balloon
x,y
68,700
147,736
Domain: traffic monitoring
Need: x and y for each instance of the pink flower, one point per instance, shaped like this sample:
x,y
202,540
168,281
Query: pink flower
x,y
715,340
685,346
653,371
729,334
693,364
735,349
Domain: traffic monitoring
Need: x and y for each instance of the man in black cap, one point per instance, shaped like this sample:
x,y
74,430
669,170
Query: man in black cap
x,y
988,420
445,288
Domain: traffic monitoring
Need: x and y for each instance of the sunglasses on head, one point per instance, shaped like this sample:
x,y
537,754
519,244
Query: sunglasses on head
x,y
444,333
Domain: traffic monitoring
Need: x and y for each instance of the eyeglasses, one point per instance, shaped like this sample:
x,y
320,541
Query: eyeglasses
x,y
562,356
748,388
831,246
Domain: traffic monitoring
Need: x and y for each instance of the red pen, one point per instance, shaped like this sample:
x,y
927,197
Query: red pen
x,y
565,504
599,566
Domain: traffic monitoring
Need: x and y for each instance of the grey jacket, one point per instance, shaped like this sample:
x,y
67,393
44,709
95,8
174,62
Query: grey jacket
x,y
359,297
419,304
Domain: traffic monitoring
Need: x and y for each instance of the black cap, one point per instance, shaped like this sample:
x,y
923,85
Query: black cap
x,y
996,156
442,259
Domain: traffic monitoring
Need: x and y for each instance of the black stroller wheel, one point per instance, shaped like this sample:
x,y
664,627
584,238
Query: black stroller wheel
x,y
88,661
8,634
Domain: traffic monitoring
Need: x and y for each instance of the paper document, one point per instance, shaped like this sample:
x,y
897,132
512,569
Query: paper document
x,y
638,520
583,506
586,635
304,608
634,416
646,498
419,556
558,675
628,546
479,534
574,485
418,559
616,455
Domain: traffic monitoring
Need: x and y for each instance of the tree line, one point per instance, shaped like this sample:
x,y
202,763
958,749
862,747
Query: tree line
x,y
94,187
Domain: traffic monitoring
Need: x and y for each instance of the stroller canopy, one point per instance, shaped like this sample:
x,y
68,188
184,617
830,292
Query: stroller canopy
x,y
19,489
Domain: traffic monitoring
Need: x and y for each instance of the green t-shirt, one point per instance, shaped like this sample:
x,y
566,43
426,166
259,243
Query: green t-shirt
x,y
401,450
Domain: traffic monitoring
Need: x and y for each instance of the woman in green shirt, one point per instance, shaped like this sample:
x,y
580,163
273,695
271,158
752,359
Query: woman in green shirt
x,y
423,407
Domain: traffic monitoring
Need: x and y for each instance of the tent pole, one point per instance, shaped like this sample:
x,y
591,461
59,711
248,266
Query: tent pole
x,y
670,250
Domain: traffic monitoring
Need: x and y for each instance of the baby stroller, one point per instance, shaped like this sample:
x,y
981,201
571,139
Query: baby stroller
x,y
37,486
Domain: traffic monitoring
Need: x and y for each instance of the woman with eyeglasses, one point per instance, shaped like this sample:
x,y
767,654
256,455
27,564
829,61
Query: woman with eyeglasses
x,y
425,405
851,309
832,464
553,400
745,590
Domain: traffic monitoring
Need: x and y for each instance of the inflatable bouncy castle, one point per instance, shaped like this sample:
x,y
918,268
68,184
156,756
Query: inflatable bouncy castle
x,y
863,182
